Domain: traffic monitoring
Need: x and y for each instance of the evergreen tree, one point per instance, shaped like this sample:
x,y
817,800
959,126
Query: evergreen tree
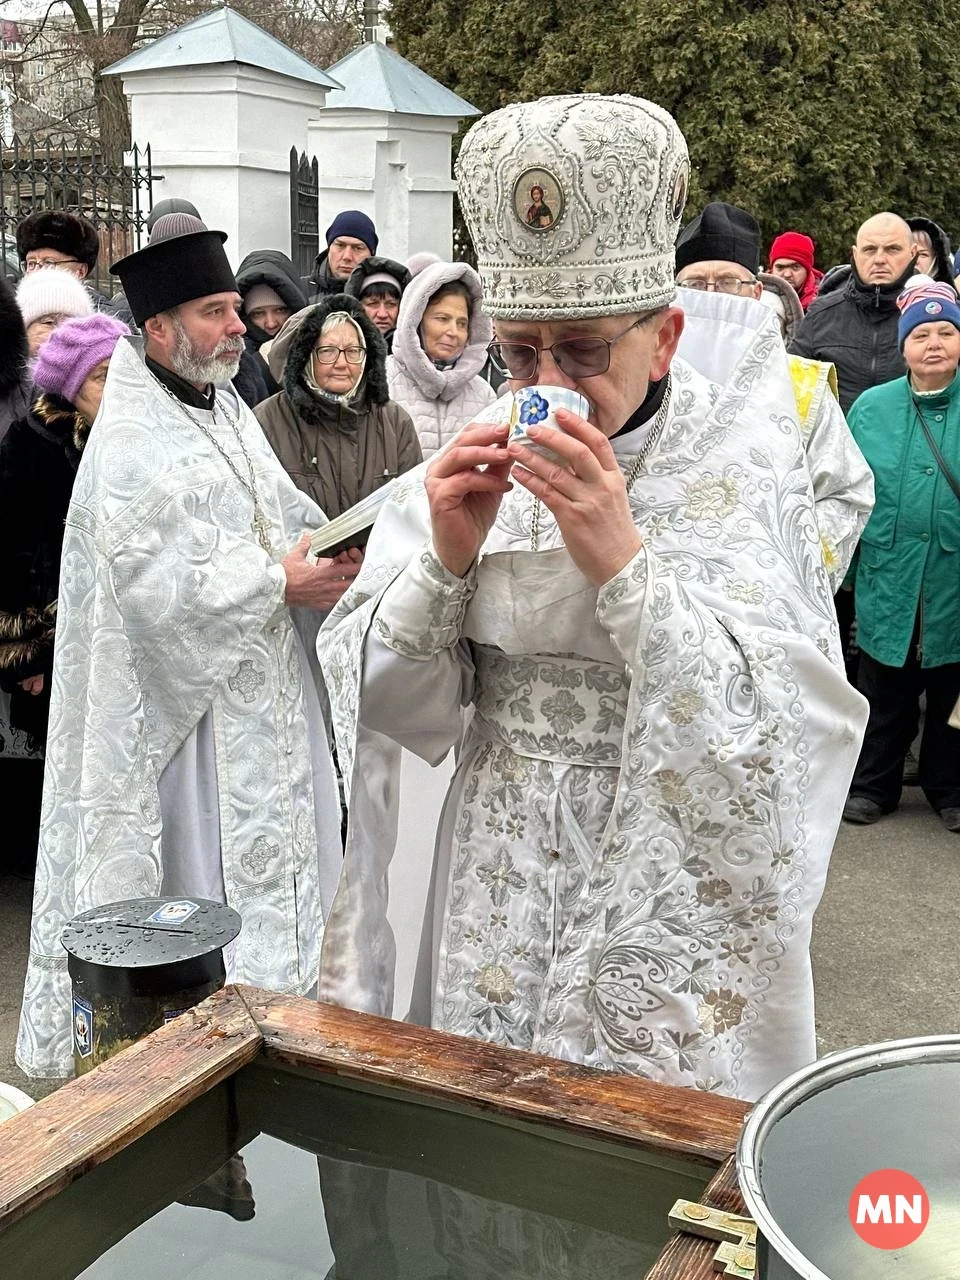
x,y
811,115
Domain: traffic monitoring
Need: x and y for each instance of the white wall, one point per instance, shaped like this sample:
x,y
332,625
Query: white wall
x,y
396,168
220,137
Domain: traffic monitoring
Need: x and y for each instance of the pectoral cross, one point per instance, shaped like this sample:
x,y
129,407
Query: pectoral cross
x,y
737,1255
261,527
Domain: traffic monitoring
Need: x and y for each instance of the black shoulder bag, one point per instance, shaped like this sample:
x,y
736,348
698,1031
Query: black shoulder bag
x,y
941,461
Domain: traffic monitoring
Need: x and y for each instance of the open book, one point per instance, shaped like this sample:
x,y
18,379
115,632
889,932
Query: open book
x,y
351,528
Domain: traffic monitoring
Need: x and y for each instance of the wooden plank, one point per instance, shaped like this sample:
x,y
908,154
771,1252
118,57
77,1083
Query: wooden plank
x,y
90,1119
328,1040
58,1239
687,1258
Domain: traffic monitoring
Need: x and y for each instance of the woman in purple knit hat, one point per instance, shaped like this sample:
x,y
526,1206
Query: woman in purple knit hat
x,y
39,457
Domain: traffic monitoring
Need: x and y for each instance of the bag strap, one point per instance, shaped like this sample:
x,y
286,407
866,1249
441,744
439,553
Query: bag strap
x,y
941,461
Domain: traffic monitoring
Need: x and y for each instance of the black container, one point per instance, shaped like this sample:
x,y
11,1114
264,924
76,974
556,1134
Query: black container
x,y
135,965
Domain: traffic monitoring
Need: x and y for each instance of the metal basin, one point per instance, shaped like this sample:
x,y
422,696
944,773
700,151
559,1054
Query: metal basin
x,y
810,1140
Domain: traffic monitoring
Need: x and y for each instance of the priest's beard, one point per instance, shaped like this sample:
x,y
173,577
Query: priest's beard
x,y
200,368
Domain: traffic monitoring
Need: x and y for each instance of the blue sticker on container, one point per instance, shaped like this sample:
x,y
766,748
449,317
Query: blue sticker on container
x,y
82,1027
173,913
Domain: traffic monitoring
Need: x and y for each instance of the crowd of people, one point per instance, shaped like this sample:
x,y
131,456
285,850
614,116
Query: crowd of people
x,y
651,668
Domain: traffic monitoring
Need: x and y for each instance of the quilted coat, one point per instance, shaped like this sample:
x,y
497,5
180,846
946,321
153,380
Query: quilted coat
x,y
440,401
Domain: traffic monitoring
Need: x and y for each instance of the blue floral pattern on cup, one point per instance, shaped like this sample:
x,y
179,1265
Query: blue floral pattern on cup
x,y
534,409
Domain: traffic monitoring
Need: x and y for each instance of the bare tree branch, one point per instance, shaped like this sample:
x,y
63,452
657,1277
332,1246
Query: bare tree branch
x,y
321,31
81,17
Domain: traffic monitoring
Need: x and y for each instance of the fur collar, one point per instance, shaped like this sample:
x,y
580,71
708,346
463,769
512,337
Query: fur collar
x,y
57,420
291,351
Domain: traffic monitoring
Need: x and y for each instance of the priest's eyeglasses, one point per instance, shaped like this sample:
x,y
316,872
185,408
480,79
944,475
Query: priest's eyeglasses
x,y
724,284
576,357
330,354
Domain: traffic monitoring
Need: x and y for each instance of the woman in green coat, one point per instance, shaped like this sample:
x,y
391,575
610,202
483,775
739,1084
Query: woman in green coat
x,y
907,569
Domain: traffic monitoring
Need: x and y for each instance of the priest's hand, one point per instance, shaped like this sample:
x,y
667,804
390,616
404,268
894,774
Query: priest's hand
x,y
585,491
319,585
464,499
352,555
33,684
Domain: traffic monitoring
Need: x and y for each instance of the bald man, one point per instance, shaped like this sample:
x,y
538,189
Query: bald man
x,y
853,322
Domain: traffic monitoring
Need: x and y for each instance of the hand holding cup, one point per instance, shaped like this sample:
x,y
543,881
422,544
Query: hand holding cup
x,y
572,469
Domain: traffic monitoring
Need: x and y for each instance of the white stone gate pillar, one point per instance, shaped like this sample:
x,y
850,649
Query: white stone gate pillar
x,y
221,103
383,143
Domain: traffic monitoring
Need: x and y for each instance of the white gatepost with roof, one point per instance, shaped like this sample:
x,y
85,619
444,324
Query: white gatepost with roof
x,y
221,102
383,142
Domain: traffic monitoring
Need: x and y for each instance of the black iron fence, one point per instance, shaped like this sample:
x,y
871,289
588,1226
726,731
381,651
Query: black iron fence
x,y
304,211
68,175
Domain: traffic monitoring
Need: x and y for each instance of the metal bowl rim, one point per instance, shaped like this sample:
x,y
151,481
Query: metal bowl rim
x,y
15,1097
792,1090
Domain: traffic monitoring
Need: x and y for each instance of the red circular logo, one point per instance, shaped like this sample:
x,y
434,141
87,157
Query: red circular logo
x,y
889,1209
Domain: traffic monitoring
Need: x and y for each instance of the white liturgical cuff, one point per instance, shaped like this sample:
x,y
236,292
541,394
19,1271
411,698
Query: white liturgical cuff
x,y
422,611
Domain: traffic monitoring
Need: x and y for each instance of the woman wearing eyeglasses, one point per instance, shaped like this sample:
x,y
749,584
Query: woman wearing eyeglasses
x,y
439,349
333,425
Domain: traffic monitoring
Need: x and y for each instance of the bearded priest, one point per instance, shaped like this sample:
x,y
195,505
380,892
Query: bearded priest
x,y
631,647
187,753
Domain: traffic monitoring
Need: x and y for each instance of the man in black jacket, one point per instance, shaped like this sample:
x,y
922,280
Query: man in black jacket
x,y
350,237
853,324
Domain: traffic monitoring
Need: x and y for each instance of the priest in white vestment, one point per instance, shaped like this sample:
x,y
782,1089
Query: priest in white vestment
x,y
718,252
187,753
630,658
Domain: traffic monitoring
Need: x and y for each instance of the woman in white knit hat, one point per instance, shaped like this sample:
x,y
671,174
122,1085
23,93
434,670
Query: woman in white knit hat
x,y
46,299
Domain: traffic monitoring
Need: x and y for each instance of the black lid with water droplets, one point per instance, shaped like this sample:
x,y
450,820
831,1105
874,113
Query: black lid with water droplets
x,y
150,945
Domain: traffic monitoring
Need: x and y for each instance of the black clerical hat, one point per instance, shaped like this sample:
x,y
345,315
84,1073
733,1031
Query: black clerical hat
x,y
169,272
721,232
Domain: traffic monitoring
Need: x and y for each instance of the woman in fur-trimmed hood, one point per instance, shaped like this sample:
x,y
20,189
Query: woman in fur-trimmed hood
x,y
39,457
439,349
333,425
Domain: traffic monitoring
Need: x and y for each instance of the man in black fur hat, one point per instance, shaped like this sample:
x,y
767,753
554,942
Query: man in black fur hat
x,y
69,242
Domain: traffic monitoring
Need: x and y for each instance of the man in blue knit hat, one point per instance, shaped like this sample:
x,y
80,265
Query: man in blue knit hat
x,y
351,237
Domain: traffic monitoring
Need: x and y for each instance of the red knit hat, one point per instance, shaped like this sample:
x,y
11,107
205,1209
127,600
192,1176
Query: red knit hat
x,y
795,246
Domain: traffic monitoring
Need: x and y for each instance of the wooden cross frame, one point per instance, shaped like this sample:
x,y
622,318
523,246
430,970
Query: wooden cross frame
x,y
737,1255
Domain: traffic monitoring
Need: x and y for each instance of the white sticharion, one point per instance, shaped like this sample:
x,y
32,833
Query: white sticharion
x,y
186,751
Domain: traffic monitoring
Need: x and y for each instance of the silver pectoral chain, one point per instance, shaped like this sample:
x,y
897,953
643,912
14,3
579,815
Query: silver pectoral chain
x,y
260,524
633,475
